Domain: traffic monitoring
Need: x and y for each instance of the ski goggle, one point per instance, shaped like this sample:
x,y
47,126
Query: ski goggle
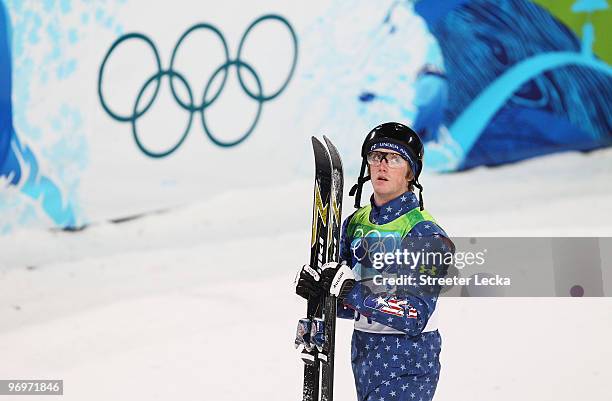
x,y
394,160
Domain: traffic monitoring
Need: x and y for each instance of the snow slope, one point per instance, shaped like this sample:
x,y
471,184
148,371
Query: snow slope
x,y
196,303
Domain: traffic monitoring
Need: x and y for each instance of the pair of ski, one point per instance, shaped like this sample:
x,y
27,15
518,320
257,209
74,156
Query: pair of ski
x,y
324,247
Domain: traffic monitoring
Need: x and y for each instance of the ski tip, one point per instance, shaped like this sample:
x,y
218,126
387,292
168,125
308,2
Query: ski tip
x,y
316,141
329,143
333,151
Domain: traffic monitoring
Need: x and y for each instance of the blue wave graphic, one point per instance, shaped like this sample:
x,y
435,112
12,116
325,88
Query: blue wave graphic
x,y
18,164
519,84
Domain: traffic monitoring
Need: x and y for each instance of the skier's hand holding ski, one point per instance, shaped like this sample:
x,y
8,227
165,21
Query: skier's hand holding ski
x,y
308,283
337,279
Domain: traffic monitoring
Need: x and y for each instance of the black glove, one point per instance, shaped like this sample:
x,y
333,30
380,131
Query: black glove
x,y
308,283
337,279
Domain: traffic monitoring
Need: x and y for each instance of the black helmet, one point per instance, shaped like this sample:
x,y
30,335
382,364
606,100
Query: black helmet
x,y
397,134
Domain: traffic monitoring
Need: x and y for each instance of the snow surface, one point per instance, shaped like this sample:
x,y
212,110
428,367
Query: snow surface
x,y
196,303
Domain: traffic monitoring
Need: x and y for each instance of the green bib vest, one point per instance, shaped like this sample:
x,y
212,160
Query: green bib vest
x,y
360,225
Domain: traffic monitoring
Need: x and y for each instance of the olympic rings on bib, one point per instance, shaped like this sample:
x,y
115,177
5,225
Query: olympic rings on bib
x,y
195,105
371,243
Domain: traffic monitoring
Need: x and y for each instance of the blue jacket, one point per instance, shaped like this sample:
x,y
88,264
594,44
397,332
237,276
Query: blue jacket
x,y
408,308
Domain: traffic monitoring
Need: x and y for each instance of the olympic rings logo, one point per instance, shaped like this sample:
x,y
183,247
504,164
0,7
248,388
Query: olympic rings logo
x,y
370,243
139,110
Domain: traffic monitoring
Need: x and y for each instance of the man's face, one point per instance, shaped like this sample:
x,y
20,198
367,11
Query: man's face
x,y
389,180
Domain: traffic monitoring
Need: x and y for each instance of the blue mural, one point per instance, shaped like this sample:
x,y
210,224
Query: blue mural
x,y
431,98
515,83
19,166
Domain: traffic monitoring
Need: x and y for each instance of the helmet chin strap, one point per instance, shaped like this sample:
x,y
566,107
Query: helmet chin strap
x,y
420,187
358,187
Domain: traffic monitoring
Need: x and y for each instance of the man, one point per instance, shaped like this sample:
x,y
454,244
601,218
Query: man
x,y
395,346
